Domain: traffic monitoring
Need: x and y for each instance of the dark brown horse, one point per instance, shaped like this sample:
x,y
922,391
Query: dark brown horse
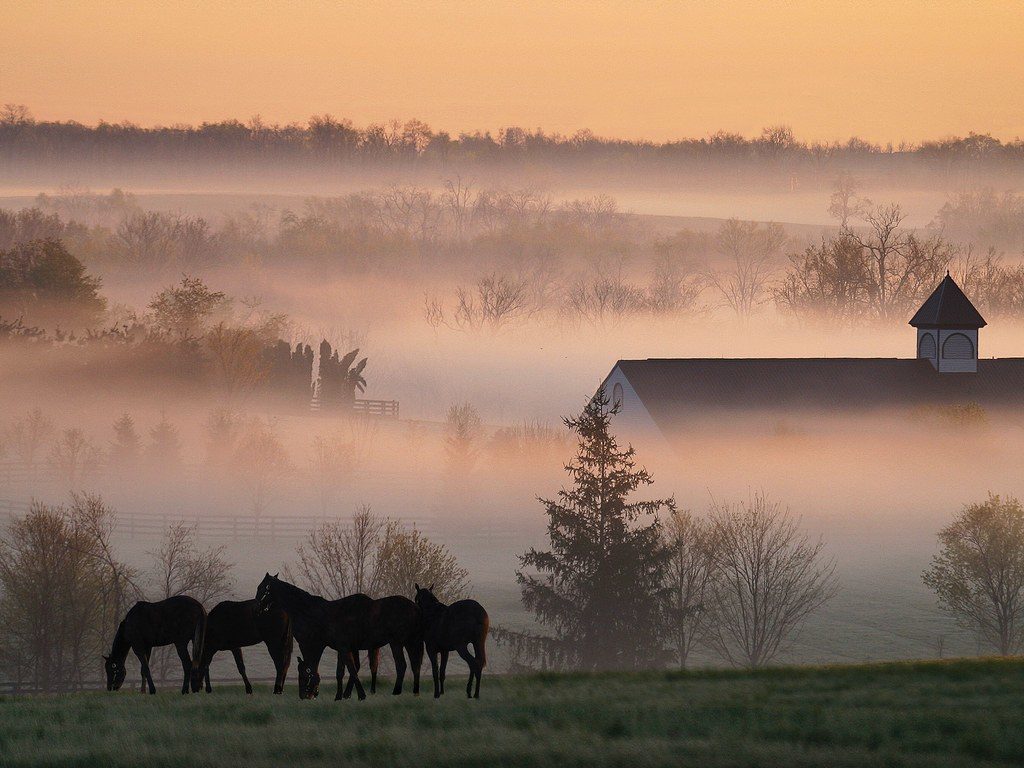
x,y
233,625
174,621
449,628
349,625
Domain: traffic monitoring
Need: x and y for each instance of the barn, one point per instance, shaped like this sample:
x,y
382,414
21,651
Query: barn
x,y
662,396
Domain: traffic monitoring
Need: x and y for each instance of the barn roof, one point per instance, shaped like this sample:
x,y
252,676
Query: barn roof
x,y
948,307
669,388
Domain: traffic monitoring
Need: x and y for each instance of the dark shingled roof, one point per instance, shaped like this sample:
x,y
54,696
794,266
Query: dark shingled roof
x,y
948,307
670,388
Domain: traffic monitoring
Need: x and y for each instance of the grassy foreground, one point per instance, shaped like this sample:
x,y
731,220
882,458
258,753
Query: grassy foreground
x,y
915,714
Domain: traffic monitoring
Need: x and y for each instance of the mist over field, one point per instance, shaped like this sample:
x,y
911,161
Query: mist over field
x,y
490,300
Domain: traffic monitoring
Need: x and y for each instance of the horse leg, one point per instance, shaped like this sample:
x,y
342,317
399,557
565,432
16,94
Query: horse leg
x,y
147,676
444,668
344,693
399,657
463,651
479,669
350,663
415,651
280,666
206,676
186,663
240,663
432,654
373,659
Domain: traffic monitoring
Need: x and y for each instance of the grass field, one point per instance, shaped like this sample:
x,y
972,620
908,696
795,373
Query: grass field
x,y
914,714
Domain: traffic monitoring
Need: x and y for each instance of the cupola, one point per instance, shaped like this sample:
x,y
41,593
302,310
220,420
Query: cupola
x,y
947,329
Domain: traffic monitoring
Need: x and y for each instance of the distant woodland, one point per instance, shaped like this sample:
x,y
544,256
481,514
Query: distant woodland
x,y
330,145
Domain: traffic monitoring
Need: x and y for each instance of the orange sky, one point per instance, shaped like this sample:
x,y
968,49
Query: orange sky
x,y
886,71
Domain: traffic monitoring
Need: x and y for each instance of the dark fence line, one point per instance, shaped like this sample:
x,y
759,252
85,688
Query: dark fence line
x,y
269,527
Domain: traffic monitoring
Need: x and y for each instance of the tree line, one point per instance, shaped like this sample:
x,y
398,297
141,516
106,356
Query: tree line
x,y
326,141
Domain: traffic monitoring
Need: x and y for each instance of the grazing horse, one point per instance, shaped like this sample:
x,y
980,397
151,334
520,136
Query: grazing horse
x,y
233,625
348,625
312,619
174,621
453,628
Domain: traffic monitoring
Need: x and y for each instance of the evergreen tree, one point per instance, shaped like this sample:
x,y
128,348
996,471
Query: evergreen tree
x,y
126,446
600,586
164,449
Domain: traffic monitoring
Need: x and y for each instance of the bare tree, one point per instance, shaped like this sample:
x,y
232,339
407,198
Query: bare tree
x,y
340,558
978,574
463,430
180,567
844,204
494,301
457,199
751,252
61,593
903,267
772,577
27,438
261,461
236,355
407,557
604,297
74,459
376,556
692,573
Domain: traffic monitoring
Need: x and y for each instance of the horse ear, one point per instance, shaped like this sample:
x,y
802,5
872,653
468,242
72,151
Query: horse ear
x,y
416,584
277,574
430,589
106,658
300,660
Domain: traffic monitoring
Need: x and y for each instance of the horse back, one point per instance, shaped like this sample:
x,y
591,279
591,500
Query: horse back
x,y
233,624
162,623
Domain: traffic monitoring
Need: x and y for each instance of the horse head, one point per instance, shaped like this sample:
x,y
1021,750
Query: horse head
x,y
425,598
115,672
309,680
265,593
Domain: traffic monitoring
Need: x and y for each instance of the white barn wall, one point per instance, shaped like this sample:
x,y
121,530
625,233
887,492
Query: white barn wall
x,y
632,423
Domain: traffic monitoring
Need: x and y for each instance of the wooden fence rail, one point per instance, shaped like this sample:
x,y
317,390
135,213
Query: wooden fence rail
x,y
387,409
271,527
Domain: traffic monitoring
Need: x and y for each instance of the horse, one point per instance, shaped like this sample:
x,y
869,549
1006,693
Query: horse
x,y
453,628
312,620
348,625
235,624
174,621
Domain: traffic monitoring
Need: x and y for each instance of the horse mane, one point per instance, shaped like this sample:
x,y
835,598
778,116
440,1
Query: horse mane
x,y
120,647
304,600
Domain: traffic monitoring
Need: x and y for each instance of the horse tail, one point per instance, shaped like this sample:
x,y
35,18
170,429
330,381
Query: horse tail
x,y
199,638
481,653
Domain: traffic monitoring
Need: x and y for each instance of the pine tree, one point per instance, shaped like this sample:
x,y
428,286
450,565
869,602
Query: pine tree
x,y
600,586
126,446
